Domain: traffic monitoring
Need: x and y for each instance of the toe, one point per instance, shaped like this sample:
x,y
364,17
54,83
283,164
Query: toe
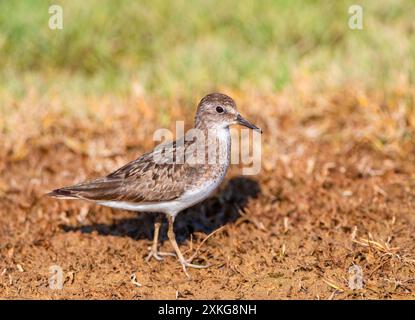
x,y
167,254
197,266
157,256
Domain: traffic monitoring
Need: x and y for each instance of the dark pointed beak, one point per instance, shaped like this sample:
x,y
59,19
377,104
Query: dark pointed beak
x,y
246,123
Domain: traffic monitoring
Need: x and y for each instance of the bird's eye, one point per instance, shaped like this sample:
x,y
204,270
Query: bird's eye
x,y
219,110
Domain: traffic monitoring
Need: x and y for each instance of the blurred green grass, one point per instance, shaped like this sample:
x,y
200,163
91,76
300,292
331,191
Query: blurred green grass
x,y
182,48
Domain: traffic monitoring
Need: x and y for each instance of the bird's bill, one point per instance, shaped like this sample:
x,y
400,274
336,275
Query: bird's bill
x,y
246,123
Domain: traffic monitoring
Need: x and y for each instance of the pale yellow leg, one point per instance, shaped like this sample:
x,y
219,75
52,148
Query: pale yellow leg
x,y
183,261
158,255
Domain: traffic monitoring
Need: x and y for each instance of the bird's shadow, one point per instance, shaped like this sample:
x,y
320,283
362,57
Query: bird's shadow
x,y
205,217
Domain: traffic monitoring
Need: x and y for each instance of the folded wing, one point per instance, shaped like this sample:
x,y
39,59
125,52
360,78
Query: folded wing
x,y
152,177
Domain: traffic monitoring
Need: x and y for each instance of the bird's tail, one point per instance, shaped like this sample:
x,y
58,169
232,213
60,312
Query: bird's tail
x,y
62,194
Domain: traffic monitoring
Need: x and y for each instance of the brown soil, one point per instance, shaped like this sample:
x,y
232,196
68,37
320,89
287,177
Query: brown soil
x,y
326,199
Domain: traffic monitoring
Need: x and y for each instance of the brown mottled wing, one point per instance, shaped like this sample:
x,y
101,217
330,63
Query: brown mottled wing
x,y
152,177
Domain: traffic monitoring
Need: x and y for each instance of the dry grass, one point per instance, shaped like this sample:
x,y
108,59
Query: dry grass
x,y
336,189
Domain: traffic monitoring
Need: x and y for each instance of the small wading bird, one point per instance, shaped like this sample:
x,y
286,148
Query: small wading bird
x,y
149,184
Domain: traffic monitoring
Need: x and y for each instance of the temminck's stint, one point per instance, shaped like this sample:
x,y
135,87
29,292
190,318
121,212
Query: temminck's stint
x,y
174,176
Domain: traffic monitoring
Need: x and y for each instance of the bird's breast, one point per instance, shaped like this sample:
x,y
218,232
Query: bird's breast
x,y
203,189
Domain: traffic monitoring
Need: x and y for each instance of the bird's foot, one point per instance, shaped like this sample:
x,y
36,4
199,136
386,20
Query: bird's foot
x,y
187,264
158,255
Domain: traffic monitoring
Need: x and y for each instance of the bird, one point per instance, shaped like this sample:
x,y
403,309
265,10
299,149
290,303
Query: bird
x,y
172,177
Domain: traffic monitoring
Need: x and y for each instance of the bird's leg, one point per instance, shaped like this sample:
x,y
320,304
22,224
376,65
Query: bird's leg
x,y
158,255
179,254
